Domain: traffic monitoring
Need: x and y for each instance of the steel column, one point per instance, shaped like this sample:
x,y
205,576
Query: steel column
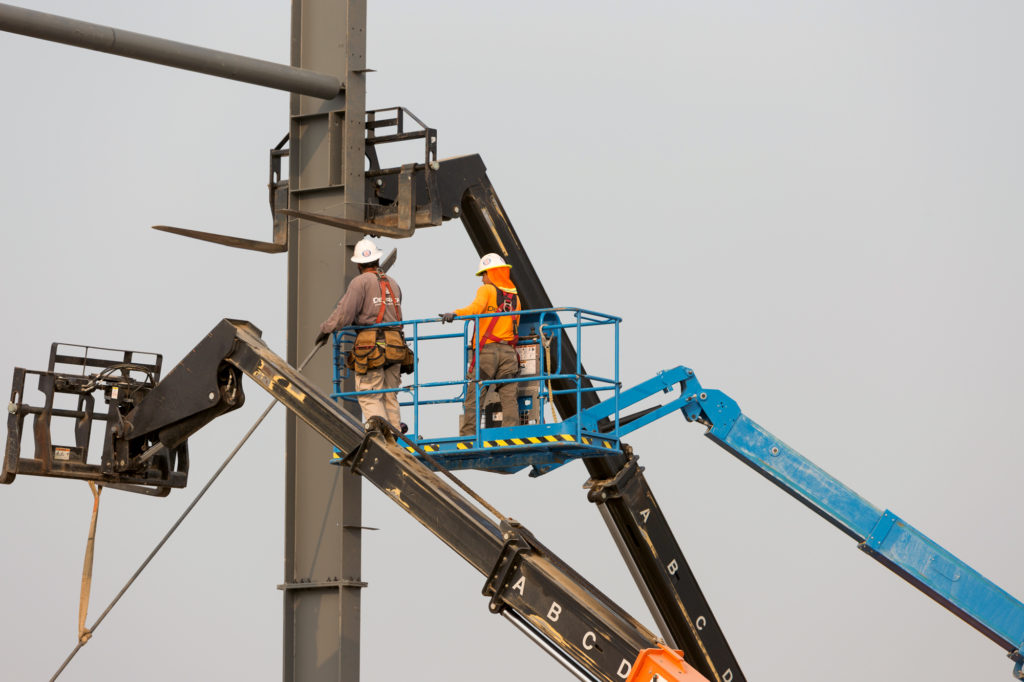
x,y
322,507
327,136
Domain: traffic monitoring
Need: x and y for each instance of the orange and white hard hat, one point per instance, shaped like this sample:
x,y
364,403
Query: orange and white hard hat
x,y
491,261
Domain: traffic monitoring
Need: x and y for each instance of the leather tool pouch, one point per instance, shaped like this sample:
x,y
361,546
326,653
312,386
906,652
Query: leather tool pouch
x,y
394,346
366,353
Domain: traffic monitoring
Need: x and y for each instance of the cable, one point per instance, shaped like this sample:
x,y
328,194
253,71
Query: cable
x,y
450,476
94,379
177,523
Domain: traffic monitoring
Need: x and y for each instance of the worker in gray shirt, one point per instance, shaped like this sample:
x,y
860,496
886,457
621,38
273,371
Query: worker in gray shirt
x,y
372,298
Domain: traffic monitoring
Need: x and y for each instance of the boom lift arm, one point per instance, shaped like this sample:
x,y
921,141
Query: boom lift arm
x,y
616,485
889,539
540,594
460,188
401,200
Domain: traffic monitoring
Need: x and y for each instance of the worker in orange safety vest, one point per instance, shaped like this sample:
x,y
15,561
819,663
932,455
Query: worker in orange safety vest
x,y
496,337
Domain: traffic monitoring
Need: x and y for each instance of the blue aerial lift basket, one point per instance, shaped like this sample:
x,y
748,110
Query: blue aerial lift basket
x,y
542,445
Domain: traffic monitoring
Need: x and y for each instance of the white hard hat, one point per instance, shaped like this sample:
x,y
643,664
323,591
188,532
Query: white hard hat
x,y
366,252
490,261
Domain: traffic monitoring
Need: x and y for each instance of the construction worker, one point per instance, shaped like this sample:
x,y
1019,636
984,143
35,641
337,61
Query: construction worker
x,y
496,337
371,298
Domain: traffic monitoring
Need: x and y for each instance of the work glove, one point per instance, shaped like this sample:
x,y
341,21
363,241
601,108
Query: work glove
x,y
321,338
446,317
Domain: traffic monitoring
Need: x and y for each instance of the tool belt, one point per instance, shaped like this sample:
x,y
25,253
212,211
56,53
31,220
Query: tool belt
x,y
374,348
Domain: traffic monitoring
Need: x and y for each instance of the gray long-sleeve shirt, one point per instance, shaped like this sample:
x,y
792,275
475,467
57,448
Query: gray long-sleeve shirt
x,y
361,304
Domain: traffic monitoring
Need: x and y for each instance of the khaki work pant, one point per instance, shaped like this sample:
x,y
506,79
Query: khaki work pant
x,y
380,404
497,361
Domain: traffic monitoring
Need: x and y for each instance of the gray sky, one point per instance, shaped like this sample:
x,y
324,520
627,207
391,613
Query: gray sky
x,y
814,205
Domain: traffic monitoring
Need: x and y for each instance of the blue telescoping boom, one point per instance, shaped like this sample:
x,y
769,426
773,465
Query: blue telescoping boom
x,y
594,430
892,541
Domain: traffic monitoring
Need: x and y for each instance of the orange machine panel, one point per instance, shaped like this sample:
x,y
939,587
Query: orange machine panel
x,y
663,665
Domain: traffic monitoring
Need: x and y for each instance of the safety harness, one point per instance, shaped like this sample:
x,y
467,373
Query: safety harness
x,y
385,294
504,302
378,346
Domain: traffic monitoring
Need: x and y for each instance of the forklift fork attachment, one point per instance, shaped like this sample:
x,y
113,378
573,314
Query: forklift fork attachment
x,y
75,377
146,421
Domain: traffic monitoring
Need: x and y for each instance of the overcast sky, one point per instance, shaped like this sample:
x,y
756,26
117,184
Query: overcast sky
x,y
816,206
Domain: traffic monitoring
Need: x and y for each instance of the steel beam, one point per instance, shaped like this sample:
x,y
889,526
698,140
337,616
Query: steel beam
x,y
167,52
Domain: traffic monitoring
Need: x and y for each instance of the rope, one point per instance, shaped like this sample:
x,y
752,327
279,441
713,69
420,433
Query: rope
x,y
83,600
546,342
82,641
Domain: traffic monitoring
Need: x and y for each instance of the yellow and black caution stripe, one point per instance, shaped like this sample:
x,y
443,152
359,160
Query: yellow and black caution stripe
x,y
531,440
543,440
426,448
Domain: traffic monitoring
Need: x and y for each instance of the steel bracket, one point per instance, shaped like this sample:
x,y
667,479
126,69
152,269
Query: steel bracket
x,y
517,543
319,584
355,457
600,491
